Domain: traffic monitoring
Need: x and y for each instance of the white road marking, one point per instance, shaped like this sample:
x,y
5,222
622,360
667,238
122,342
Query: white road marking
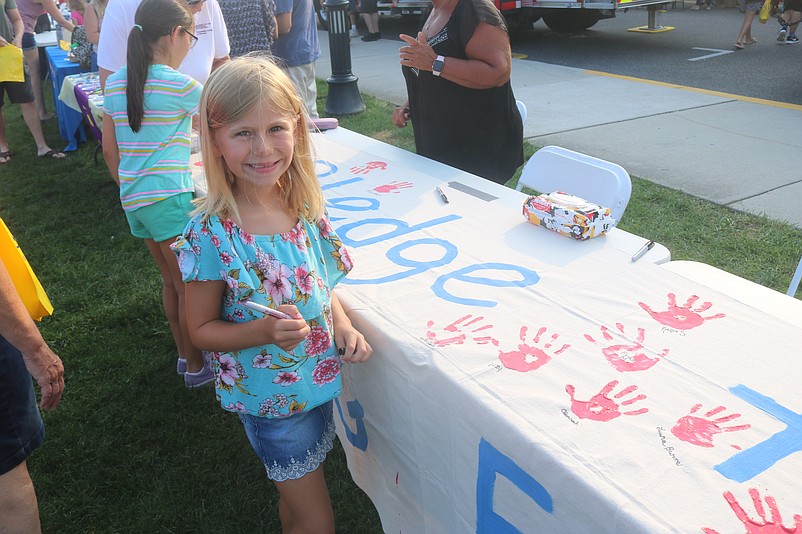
x,y
708,56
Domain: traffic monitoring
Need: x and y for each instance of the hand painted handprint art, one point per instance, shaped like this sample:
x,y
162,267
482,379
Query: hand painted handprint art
x,y
393,187
627,355
369,166
601,407
700,429
682,317
532,355
459,331
773,524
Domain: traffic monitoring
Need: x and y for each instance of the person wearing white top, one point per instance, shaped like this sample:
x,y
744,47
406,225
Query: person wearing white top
x,y
211,50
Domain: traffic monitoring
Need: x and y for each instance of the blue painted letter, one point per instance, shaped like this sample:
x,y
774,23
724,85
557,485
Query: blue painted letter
x,y
528,278
749,463
492,461
355,410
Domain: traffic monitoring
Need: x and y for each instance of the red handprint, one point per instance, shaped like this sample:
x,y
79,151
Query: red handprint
x,y
393,187
459,337
699,431
763,525
600,407
369,166
627,357
681,317
528,357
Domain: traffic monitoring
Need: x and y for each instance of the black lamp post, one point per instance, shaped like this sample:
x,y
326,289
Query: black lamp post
x,y
344,97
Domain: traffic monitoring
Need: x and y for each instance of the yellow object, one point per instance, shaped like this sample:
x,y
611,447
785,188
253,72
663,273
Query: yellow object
x,y
64,45
25,281
11,64
763,16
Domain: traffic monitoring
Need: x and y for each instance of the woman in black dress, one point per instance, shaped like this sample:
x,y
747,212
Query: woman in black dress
x,y
460,99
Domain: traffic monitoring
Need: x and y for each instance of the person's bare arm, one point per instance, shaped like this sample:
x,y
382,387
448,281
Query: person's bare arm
x,y
91,24
17,26
52,9
19,329
111,153
284,23
489,62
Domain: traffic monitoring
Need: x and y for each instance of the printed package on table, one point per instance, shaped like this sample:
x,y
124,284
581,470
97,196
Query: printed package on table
x,y
568,215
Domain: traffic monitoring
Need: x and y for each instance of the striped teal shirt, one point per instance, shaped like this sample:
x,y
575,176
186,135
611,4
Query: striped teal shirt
x,y
154,162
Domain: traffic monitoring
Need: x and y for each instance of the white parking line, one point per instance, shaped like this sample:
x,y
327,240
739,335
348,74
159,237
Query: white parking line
x,y
716,50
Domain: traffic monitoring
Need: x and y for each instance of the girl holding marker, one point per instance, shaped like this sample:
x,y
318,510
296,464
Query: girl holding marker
x,y
261,236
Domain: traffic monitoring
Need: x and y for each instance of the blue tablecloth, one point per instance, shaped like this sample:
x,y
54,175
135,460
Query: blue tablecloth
x,y
69,120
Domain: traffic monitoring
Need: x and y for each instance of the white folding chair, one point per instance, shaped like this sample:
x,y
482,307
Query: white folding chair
x,y
796,279
521,110
553,168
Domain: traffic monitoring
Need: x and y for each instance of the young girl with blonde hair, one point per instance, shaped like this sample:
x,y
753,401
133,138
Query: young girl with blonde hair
x,y
261,235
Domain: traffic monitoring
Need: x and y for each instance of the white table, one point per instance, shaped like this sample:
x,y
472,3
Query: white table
x,y
522,380
45,39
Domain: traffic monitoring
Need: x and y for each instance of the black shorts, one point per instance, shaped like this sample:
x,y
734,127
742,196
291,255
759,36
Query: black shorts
x,y
792,5
368,6
18,92
21,426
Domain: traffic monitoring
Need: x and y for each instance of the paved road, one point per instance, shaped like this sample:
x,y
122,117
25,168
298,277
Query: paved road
x,y
765,70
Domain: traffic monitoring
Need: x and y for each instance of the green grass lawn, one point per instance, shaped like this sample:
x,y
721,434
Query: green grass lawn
x,y
130,449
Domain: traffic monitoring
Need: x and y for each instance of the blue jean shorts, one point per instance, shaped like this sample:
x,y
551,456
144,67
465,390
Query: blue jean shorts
x,y
292,446
163,220
21,426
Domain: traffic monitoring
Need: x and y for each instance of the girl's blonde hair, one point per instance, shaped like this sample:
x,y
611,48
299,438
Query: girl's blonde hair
x,y
232,92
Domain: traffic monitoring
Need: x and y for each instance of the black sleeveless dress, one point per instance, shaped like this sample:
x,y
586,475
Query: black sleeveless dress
x,y
476,130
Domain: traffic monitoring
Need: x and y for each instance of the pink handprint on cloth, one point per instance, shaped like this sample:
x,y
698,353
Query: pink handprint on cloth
x,y
628,356
761,525
600,407
369,166
700,430
681,317
454,334
530,357
393,187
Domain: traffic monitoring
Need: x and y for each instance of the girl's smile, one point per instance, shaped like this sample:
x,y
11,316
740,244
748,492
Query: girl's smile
x,y
258,148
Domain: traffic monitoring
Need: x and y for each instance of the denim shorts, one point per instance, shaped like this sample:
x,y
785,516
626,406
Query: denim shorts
x,y
163,220
21,426
292,446
28,41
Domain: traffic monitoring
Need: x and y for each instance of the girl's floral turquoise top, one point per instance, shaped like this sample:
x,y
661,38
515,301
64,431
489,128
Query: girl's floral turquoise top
x,y
297,267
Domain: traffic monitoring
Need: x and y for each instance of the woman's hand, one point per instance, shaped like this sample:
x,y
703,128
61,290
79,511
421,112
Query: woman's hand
x,y
417,54
401,116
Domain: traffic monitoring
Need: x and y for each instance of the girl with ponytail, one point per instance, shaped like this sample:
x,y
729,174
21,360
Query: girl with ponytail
x,y
148,109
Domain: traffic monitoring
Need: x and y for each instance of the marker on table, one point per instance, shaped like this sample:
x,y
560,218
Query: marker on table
x,y
442,195
264,309
643,250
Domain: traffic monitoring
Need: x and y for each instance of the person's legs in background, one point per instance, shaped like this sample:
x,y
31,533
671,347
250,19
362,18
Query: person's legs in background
x,y
352,14
31,53
303,76
21,93
370,14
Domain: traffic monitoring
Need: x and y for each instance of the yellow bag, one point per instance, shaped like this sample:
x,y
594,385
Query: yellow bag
x,y
25,281
763,16
11,69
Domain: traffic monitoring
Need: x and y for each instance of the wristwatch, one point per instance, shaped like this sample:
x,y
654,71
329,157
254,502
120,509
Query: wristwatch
x,y
437,66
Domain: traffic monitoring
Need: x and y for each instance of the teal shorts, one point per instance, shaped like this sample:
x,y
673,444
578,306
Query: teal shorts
x,y
163,220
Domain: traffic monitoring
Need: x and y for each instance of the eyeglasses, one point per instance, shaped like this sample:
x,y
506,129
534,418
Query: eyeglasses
x,y
192,37
193,3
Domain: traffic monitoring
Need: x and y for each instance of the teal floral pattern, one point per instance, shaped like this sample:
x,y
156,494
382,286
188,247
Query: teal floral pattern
x,y
298,267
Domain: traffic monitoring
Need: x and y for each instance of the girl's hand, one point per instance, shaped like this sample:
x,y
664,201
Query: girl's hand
x,y
287,333
351,345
